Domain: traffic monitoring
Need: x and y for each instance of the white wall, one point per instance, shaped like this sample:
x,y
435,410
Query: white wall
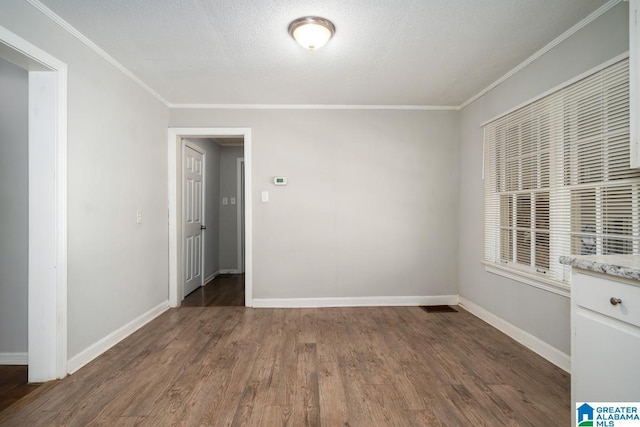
x,y
14,207
117,270
212,200
540,313
370,206
229,213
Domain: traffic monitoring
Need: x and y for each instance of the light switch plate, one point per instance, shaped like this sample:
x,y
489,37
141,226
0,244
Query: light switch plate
x,y
264,196
225,200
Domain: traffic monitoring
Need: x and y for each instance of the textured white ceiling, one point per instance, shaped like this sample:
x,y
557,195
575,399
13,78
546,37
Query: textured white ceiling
x,y
385,52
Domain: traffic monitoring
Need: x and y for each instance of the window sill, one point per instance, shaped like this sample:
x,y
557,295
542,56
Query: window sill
x,y
528,279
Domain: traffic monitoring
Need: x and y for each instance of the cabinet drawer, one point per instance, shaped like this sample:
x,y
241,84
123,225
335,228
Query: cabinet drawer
x,y
595,293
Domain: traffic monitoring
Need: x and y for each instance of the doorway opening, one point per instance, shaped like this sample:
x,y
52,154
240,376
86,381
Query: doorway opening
x,y
226,215
213,221
46,357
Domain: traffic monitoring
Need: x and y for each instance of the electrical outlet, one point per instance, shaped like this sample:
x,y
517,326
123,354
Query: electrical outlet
x,y
139,216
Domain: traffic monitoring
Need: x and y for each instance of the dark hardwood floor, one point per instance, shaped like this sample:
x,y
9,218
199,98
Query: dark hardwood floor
x,y
13,385
366,366
226,290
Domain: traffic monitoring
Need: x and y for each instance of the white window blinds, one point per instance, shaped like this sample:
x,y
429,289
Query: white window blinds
x,y
557,178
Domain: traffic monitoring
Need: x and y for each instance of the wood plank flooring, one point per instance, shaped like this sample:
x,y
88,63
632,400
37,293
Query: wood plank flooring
x,y
226,290
13,384
378,366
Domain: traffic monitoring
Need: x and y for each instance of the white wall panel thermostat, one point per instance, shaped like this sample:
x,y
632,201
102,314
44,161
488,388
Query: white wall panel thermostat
x,y
280,180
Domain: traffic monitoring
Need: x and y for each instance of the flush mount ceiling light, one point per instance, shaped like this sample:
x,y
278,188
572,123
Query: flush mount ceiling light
x,y
311,32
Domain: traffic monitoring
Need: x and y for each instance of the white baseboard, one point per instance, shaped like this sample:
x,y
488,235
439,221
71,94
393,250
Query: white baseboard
x,y
355,301
229,271
210,277
14,359
95,350
552,354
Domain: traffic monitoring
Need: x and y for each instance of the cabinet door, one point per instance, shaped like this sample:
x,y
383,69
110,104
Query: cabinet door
x,y
606,363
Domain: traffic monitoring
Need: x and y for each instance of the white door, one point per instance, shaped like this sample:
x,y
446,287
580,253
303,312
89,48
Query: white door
x,y
193,192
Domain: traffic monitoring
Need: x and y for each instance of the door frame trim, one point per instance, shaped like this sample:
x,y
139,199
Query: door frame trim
x,y
47,302
186,143
240,202
175,134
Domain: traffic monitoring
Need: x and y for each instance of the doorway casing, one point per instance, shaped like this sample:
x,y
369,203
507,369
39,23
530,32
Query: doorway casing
x,y
240,216
175,136
47,282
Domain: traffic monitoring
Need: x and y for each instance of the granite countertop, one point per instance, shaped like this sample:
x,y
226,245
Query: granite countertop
x,y
627,266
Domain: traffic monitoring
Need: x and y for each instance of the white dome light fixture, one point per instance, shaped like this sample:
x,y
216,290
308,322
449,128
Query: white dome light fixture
x,y
311,32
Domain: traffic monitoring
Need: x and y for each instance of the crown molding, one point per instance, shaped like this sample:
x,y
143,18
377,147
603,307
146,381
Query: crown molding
x,y
91,45
312,107
571,31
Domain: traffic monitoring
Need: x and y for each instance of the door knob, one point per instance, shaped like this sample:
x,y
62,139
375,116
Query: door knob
x,y
203,227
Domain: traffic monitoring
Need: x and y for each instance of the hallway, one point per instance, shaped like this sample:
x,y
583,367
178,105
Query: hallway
x,y
226,290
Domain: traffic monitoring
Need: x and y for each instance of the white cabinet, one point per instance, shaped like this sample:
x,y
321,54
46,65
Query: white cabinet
x,y
605,346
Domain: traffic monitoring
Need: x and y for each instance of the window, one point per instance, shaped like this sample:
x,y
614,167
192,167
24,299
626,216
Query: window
x,y
558,181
